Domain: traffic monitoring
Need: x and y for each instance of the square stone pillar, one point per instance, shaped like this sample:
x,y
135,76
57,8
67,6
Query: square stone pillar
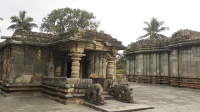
x,y
76,57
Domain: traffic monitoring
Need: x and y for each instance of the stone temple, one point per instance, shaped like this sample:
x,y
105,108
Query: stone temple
x,y
76,64
173,61
76,54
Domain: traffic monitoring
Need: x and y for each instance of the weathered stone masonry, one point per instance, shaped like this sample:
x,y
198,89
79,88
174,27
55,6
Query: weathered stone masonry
x,y
174,61
26,58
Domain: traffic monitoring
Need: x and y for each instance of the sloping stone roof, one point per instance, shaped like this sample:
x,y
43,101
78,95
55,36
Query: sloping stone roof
x,y
179,38
43,39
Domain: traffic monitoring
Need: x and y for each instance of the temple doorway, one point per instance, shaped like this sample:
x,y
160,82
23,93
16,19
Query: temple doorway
x,y
66,66
69,69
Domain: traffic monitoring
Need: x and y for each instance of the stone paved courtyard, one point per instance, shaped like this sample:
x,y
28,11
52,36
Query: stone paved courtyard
x,y
167,98
163,98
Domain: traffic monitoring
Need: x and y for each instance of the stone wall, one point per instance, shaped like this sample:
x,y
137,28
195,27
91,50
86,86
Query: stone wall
x,y
179,62
178,56
5,63
27,63
96,65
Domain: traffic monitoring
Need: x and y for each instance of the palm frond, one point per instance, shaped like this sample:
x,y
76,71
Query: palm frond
x,y
144,36
14,19
161,36
163,29
28,19
153,28
147,29
13,27
31,25
147,24
22,15
160,23
21,22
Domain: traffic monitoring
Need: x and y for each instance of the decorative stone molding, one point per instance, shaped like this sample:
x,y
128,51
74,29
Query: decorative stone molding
x,y
76,57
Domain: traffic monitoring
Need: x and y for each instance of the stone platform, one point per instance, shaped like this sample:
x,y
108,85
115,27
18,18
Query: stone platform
x,y
116,106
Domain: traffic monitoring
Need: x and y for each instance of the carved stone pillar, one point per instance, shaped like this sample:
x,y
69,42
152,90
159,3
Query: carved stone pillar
x,y
110,68
50,68
76,57
57,70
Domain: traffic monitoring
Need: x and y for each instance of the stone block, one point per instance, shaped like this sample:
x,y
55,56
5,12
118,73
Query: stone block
x,y
18,78
29,61
17,69
15,60
17,54
27,78
40,68
29,69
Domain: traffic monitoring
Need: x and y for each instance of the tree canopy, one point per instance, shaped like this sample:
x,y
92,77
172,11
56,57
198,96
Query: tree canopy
x,y
121,61
22,22
153,28
66,19
121,64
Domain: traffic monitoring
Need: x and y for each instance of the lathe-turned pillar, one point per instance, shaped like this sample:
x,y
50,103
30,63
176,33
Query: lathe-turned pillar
x,y
110,68
76,57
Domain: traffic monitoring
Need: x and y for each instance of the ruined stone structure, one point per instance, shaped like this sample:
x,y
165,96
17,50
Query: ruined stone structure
x,y
174,61
32,60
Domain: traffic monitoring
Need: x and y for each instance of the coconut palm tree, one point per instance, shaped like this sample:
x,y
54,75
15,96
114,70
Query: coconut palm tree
x,y
153,28
22,22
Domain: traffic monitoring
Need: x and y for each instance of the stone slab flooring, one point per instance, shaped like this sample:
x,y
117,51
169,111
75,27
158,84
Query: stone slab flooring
x,y
38,104
166,98
162,98
117,106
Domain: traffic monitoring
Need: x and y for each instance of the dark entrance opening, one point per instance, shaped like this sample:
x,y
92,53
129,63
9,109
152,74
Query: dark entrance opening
x,y
69,69
83,67
66,68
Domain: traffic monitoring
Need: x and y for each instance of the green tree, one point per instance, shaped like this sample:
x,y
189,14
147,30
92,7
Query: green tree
x,y
121,64
66,19
153,28
22,22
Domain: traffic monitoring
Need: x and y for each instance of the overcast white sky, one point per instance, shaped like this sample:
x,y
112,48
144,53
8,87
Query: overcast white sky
x,y
123,19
